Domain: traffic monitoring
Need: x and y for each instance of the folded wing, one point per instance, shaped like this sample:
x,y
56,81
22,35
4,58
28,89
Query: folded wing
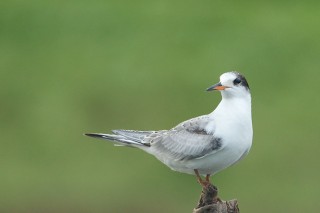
x,y
189,140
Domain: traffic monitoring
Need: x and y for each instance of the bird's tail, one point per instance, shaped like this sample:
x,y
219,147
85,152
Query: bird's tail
x,y
120,138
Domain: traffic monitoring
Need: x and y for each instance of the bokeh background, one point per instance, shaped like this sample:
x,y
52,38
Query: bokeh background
x,y
70,67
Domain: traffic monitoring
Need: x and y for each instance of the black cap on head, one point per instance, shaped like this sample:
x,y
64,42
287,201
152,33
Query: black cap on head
x,y
243,80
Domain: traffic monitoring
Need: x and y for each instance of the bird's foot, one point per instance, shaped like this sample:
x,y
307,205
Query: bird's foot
x,y
209,191
209,195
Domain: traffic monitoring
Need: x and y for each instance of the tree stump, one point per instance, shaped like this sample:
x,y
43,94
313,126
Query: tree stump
x,y
210,203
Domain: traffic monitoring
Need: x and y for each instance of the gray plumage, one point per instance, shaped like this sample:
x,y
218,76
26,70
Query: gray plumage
x,y
186,141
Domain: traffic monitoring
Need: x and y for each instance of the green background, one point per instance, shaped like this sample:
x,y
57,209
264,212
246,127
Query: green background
x,y
70,67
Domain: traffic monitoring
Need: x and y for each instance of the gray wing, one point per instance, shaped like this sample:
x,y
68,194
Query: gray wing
x,y
188,140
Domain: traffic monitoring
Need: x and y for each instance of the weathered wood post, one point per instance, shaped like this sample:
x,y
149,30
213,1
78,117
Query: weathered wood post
x,y
210,203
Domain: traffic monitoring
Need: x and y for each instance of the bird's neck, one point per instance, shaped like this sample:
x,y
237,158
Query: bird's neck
x,y
239,106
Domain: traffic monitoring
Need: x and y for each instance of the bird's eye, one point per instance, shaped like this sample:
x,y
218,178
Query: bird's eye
x,y
237,81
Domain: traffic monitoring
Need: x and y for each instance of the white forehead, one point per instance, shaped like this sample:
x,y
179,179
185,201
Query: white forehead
x,y
227,77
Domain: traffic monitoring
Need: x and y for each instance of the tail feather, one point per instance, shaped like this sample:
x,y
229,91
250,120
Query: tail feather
x,y
120,139
132,134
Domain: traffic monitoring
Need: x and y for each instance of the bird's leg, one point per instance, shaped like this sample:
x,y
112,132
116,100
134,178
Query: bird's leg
x,y
198,176
208,178
203,183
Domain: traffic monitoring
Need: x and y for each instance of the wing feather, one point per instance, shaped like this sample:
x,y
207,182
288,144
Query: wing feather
x,y
188,140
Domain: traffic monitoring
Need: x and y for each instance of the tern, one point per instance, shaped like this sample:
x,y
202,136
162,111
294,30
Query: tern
x,y
202,145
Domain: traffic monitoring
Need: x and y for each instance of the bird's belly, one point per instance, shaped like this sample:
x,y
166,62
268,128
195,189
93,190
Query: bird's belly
x,y
211,163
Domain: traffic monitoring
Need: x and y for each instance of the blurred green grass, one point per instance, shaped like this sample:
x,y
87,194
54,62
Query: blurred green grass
x,y
69,67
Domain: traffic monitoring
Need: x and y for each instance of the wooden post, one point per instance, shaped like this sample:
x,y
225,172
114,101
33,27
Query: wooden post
x,y
210,203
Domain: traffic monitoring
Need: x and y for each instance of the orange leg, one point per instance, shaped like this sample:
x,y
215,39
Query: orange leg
x,y
198,176
205,182
208,178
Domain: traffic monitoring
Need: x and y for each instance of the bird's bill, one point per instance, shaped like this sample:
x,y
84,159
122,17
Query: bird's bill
x,y
217,86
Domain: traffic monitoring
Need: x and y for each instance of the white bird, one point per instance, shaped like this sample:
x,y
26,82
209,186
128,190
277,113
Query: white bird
x,y
203,145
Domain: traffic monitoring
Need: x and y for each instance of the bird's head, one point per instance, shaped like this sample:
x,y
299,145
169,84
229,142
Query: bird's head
x,y
232,84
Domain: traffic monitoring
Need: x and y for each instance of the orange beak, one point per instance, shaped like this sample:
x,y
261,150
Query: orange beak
x,y
217,86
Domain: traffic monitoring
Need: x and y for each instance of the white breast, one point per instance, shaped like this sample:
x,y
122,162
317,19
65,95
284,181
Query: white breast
x,y
232,123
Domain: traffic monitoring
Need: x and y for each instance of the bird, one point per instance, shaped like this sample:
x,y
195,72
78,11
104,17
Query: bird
x,y
204,145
